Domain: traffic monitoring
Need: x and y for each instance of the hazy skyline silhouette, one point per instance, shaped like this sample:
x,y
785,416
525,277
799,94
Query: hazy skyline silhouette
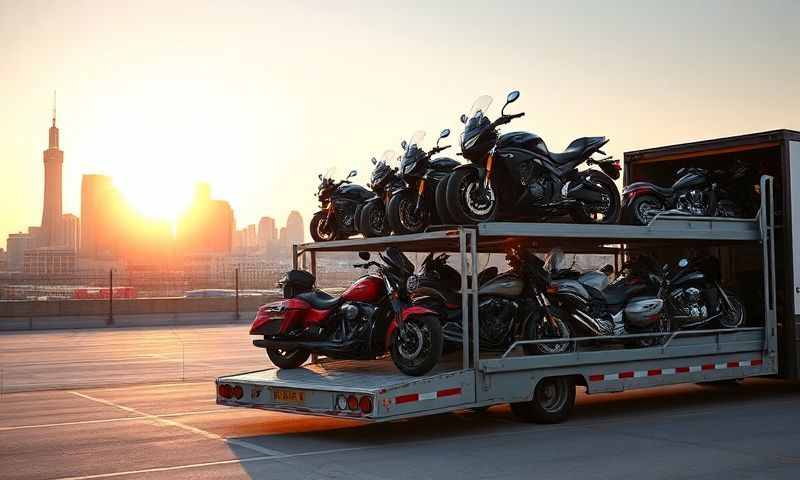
x,y
258,98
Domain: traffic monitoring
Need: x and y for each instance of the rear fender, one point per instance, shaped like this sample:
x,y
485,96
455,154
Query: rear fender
x,y
282,317
637,189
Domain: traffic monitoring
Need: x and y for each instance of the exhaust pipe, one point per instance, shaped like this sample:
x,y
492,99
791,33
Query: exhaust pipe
x,y
306,345
589,323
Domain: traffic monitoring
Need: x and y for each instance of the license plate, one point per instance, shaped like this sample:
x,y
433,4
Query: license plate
x,y
288,396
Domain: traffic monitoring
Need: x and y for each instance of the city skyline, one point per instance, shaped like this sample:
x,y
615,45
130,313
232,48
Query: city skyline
x,y
261,109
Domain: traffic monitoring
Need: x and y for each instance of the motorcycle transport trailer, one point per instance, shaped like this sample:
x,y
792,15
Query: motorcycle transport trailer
x,y
541,384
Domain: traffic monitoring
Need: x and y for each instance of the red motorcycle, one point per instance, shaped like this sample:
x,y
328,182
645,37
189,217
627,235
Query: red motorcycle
x,y
373,316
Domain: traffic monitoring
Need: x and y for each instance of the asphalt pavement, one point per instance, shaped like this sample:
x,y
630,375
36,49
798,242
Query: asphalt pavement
x,y
139,404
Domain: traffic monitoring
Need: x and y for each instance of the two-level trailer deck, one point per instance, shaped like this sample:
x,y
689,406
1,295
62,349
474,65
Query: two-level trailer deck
x,y
471,378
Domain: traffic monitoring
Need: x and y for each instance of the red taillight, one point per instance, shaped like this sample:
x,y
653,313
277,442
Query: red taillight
x,y
365,404
352,402
552,290
238,392
225,390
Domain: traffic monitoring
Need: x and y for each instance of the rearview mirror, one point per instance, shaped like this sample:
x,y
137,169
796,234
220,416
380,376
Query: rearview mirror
x,y
320,176
511,98
463,118
352,173
363,256
374,161
403,144
445,133
683,263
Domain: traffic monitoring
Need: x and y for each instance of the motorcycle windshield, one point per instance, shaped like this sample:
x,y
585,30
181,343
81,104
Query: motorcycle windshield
x,y
555,260
387,162
329,173
476,119
413,148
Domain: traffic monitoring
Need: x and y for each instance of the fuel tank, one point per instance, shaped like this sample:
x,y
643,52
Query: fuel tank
x,y
506,284
524,140
573,288
595,279
692,179
368,289
355,192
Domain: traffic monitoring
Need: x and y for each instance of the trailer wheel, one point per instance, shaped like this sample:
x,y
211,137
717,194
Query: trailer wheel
x,y
288,358
553,399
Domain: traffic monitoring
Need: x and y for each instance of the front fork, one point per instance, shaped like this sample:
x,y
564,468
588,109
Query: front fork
x,y
420,194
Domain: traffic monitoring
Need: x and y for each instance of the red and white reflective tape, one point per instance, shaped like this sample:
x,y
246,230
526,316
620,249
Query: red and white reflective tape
x,y
604,377
416,397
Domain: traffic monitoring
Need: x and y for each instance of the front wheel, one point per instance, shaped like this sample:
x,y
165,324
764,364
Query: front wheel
x,y
733,316
608,209
549,325
468,200
417,345
286,359
643,210
372,220
553,399
404,216
321,231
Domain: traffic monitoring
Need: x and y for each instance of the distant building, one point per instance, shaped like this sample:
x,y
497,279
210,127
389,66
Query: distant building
x,y
207,226
267,234
99,222
3,260
71,227
52,232
295,231
16,245
49,261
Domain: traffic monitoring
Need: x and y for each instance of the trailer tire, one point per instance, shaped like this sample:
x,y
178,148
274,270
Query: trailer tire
x,y
286,359
553,399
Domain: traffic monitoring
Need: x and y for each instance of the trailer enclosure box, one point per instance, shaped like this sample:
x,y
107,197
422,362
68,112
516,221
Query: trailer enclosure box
x,y
775,153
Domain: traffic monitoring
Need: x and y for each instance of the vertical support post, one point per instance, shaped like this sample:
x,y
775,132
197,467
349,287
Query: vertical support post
x,y
110,296
313,256
465,310
303,261
294,257
766,219
473,248
236,287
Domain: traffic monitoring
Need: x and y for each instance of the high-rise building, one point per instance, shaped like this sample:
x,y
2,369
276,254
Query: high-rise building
x,y
16,245
295,232
71,227
267,233
207,226
98,226
49,261
52,234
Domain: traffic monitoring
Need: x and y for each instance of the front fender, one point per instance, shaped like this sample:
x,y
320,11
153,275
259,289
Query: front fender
x,y
404,316
468,166
400,190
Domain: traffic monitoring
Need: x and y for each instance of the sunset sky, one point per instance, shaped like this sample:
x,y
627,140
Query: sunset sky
x,y
258,97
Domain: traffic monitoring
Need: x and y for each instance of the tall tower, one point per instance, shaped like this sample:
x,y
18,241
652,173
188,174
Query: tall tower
x,y
51,234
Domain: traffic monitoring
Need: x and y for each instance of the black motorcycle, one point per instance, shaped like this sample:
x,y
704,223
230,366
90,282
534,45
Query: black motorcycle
x,y
695,297
341,204
696,192
383,181
413,208
514,176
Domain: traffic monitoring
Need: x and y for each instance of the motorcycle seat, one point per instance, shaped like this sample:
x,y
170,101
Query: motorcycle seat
x,y
578,149
319,299
618,294
443,163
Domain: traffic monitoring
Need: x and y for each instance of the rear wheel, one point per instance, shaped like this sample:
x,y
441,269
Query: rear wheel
x,y
404,216
372,220
285,359
608,210
469,202
643,210
553,399
417,345
441,202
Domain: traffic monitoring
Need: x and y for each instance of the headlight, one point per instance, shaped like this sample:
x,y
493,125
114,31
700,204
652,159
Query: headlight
x,y
412,283
469,143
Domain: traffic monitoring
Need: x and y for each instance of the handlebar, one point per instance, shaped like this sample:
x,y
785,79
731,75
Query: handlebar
x,y
436,150
507,118
371,263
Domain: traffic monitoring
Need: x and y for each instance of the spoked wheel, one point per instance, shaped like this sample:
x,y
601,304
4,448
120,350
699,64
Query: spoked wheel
x,y
417,345
548,327
404,216
734,315
663,325
469,201
320,230
608,210
553,399
372,221
644,209
283,358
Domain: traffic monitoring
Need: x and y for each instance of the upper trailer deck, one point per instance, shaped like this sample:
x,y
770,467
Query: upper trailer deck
x,y
493,237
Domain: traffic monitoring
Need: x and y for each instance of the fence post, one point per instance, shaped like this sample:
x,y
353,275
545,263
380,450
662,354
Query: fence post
x,y
236,286
110,296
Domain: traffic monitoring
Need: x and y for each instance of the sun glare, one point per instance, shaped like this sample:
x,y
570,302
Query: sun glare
x,y
160,199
